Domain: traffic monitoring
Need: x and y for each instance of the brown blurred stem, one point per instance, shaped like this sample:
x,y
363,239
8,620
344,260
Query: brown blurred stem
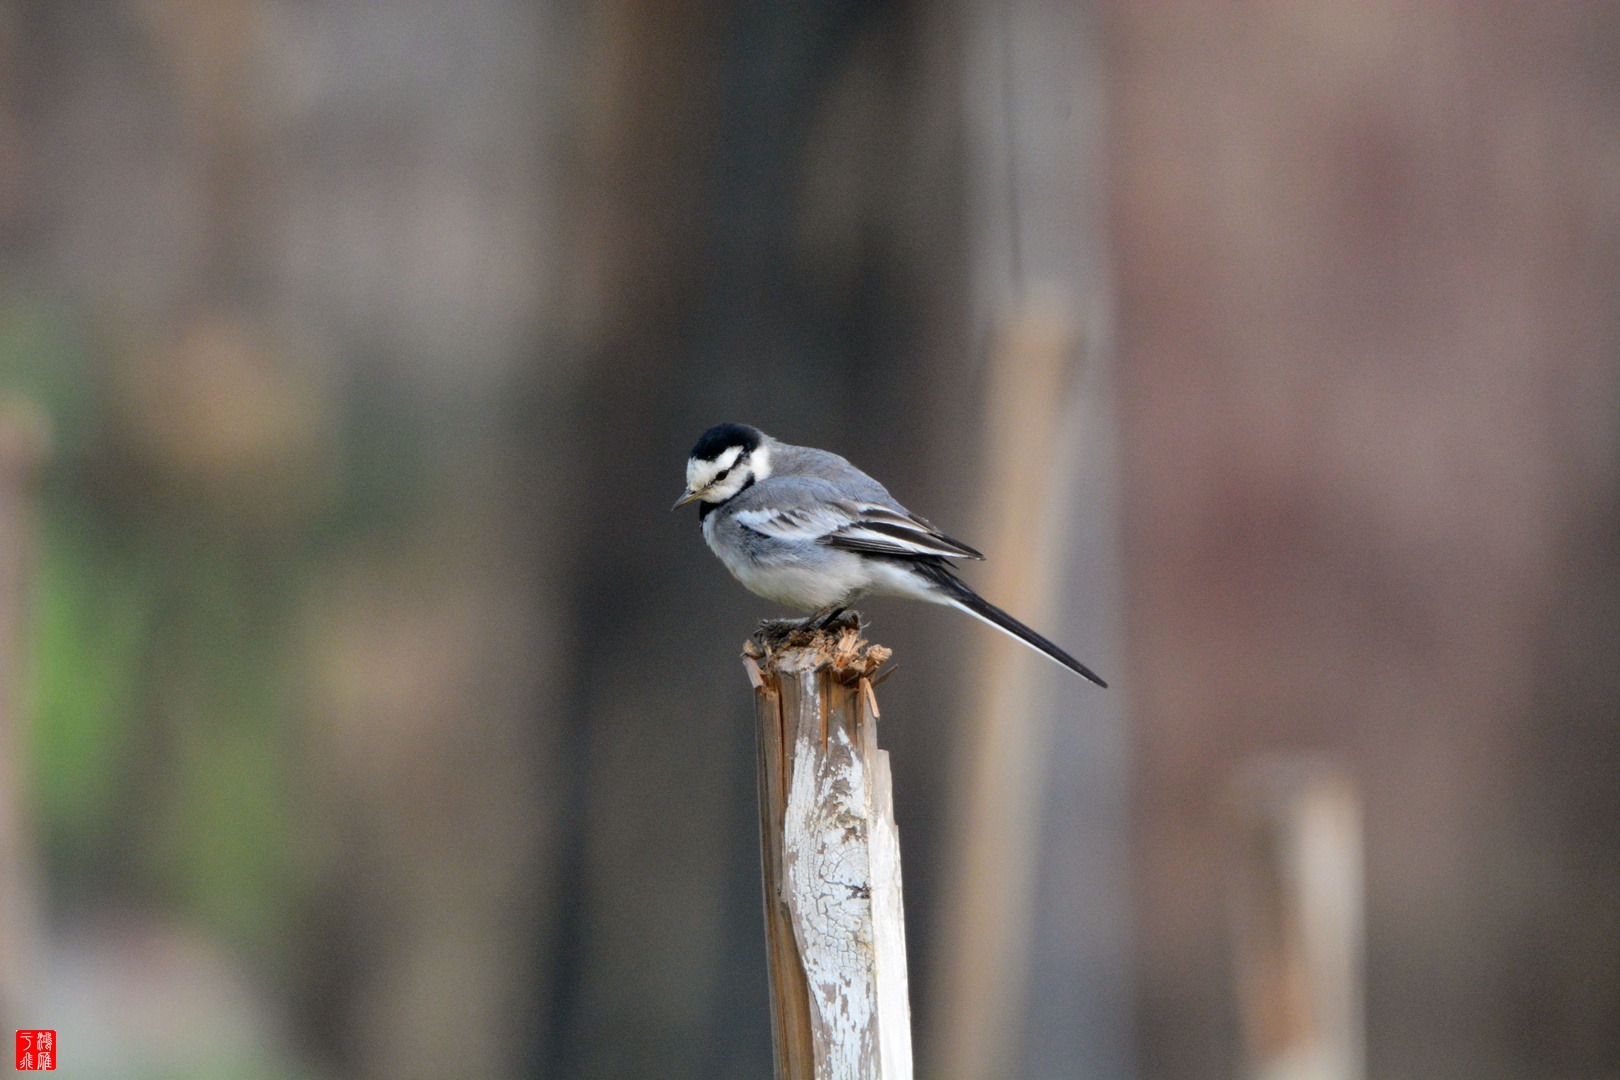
x,y
23,442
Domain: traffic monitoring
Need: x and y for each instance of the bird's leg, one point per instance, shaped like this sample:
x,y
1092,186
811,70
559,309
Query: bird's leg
x,y
775,631
826,618
820,620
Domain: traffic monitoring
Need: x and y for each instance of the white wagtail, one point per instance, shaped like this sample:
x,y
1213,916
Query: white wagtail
x,y
806,528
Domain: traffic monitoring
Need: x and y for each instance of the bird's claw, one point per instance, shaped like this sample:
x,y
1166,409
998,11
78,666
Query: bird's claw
x,y
775,631
825,619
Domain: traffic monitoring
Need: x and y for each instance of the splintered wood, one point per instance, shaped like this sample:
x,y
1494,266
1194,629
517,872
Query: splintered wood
x,y
834,924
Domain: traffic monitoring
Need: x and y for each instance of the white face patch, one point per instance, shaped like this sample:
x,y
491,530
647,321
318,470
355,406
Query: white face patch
x,y
700,475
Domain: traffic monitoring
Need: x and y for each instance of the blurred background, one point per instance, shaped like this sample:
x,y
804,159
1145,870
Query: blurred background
x,y
364,713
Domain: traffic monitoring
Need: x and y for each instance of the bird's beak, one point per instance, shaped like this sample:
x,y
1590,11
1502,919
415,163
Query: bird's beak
x,y
686,498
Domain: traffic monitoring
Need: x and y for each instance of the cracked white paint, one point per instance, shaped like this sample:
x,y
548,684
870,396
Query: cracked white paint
x,y
841,882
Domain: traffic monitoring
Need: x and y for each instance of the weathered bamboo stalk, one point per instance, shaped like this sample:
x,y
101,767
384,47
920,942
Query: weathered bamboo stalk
x,y
830,856
1296,913
995,834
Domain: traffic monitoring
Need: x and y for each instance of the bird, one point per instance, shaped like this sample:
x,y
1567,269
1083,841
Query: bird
x,y
806,528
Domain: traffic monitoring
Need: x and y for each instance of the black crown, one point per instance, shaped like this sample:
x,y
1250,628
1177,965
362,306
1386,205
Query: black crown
x,y
722,437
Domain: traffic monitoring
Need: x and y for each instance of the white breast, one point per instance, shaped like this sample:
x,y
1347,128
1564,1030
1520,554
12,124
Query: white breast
x,y
812,579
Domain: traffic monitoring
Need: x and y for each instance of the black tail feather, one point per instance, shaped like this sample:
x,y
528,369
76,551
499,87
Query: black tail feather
x,y
976,605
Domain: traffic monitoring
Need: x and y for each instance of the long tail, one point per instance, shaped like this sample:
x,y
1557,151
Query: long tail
x,y
958,595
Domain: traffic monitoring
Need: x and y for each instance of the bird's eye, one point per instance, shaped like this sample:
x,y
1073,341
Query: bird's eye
x,y
721,475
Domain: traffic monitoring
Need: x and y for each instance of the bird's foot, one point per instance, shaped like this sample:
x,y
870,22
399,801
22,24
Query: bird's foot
x,y
826,618
775,632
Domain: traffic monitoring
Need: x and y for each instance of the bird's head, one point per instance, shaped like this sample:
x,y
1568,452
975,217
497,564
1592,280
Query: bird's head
x,y
728,458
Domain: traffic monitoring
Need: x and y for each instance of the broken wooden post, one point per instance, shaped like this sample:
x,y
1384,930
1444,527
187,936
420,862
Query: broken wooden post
x,y
830,857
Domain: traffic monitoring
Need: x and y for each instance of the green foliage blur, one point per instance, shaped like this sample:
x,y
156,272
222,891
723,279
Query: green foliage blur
x,y
168,739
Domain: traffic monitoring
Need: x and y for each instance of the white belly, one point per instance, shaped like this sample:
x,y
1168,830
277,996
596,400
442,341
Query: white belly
x,y
834,582
819,577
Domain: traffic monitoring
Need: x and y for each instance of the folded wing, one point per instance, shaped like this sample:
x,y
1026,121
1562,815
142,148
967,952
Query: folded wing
x,y
857,526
